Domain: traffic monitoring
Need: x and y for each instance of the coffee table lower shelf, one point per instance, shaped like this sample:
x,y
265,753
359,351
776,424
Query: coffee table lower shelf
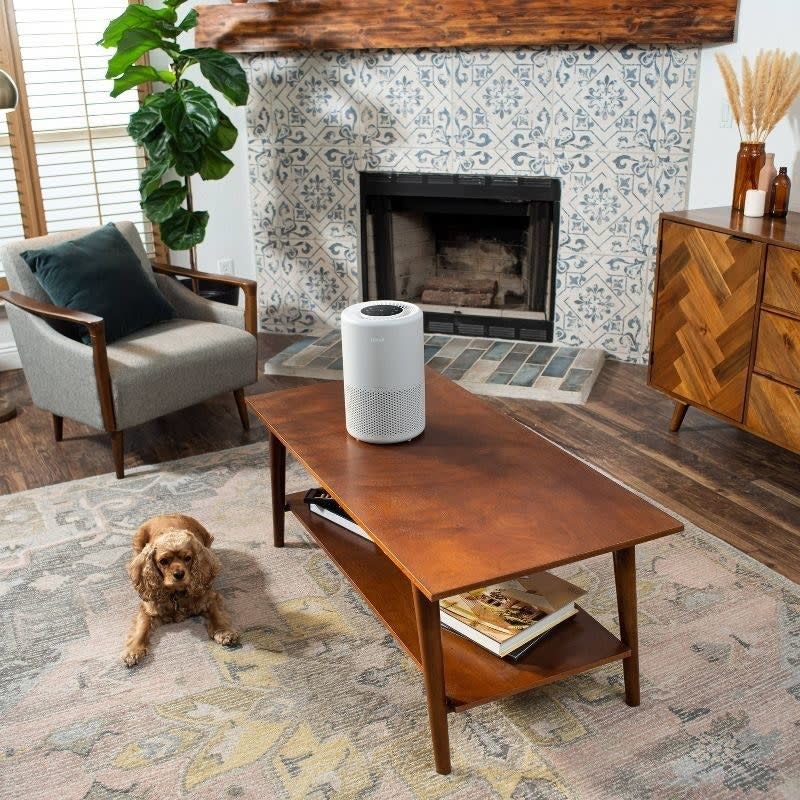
x,y
471,674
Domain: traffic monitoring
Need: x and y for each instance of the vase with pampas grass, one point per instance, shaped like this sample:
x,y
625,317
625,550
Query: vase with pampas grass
x,y
758,103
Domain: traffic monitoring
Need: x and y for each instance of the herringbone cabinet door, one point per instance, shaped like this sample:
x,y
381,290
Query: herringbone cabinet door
x,y
703,325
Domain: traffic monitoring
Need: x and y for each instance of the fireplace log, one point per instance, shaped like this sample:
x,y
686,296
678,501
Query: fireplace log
x,y
460,284
471,299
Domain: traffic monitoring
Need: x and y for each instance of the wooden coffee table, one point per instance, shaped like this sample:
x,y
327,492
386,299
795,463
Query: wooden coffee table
x,y
476,499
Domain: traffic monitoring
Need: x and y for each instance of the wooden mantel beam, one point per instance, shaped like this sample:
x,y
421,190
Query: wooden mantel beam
x,y
368,24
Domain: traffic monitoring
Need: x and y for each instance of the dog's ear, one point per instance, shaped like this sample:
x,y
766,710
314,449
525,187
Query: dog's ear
x,y
144,574
141,537
199,532
205,568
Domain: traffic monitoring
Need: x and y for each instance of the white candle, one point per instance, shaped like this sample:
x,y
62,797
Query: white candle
x,y
754,202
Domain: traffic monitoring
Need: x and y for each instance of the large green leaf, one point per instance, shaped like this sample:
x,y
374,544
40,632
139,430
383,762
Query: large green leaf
x,y
215,165
185,162
150,178
223,72
161,204
133,44
224,135
157,145
144,122
189,21
137,74
190,114
136,16
184,229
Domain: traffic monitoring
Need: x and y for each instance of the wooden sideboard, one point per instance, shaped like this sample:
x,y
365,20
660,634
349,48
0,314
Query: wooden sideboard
x,y
725,335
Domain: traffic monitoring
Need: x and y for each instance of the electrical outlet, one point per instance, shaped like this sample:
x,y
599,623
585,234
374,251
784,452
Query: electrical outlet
x,y
725,117
225,266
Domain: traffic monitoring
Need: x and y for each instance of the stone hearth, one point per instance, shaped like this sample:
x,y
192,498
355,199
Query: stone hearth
x,y
614,124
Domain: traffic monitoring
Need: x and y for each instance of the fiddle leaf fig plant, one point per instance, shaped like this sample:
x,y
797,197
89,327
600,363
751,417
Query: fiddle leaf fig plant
x,y
181,127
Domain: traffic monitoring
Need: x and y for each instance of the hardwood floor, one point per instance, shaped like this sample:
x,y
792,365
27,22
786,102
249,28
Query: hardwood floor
x,y
732,484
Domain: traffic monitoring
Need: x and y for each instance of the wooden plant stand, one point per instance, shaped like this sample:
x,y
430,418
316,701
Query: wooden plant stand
x,y
474,500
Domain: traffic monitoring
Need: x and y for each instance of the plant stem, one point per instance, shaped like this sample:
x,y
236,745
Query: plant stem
x,y
190,208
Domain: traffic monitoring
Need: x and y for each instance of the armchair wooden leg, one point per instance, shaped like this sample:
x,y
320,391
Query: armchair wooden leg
x,y
238,395
58,427
118,449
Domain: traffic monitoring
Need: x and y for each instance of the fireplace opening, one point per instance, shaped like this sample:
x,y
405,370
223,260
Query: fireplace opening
x,y
476,252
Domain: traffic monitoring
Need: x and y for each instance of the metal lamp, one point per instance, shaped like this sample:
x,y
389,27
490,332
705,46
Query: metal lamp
x,y
8,102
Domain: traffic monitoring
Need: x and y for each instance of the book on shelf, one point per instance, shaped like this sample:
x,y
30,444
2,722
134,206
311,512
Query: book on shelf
x,y
322,504
505,616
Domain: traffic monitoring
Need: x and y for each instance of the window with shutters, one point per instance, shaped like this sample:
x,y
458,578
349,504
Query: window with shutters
x,y
10,213
88,167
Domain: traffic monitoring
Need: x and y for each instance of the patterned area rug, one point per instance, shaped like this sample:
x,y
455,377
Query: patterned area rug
x,y
320,703
494,367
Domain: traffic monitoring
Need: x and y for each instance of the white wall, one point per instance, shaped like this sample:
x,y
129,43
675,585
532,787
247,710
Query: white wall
x,y
760,26
230,232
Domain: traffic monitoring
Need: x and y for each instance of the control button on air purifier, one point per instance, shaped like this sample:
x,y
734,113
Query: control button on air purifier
x,y
382,310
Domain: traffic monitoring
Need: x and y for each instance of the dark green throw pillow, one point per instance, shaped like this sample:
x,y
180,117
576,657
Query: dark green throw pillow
x,y
100,274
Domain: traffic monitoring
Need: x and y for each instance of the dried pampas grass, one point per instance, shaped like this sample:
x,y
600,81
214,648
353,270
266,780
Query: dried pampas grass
x,y
768,88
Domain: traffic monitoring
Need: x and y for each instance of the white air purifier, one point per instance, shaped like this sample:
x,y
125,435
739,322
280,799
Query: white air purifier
x,y
383,359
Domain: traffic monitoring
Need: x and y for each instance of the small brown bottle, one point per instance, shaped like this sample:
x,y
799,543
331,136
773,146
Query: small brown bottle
x,y
781,187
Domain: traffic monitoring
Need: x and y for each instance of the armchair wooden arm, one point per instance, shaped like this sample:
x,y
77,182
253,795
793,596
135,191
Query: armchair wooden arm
x,y
247,286
95,326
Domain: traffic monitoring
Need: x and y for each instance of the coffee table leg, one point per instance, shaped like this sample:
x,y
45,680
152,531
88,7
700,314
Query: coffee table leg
x,y
277,475
430,645
625,579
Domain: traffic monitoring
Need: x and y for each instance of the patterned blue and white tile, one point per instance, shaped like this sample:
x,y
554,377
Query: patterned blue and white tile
x,y
283,309
384,158
607,98
311,189
406,97
599,302
606,202
671,185
502,98
678,98
503,160
305,98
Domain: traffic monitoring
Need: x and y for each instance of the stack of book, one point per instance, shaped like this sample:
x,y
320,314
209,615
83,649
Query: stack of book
x,y
511,618
508,619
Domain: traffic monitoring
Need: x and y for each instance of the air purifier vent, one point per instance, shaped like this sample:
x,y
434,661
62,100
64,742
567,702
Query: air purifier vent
x,y
376,415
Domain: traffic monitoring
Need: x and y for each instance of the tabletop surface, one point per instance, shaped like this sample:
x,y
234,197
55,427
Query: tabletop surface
x,y
476,499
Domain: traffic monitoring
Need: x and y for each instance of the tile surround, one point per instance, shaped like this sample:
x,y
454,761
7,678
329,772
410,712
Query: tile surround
x,y
614,123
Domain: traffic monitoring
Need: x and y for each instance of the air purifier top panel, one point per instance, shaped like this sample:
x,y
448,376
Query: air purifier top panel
x,y
381,313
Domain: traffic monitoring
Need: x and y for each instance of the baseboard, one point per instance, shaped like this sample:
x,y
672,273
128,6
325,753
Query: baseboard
x,y
9,357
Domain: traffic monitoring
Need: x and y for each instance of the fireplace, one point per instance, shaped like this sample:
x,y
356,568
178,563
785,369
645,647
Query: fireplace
x,y
476,252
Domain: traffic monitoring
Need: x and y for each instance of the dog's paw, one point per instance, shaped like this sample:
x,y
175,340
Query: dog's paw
x,y
130,658
227,638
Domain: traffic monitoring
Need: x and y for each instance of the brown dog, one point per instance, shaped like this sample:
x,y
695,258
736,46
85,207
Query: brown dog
x,y
173,572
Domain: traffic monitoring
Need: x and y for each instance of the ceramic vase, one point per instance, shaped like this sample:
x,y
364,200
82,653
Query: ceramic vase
x,y
766,176
749,161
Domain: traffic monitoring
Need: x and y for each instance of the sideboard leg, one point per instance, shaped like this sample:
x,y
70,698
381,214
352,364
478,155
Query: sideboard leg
x,y
625,579
677,416
277,474
430,644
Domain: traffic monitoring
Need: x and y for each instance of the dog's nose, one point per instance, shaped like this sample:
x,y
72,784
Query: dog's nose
x,y
178,574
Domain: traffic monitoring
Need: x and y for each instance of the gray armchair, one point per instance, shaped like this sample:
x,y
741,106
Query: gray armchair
x,y
209,348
